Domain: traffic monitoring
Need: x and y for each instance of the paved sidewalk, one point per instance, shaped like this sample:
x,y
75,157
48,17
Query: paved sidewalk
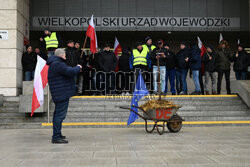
x,y
121,147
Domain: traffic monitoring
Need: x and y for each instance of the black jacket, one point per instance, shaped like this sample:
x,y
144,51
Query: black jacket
x,y
29,61
61,79
72,56
210,65
162,60
42,55
180,58
241,62
124,61
195,58
107,61
170,60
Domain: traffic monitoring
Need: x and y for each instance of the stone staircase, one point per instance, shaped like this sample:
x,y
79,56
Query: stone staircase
x,y
96,110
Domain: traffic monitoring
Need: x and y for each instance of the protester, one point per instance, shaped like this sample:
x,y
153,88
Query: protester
x,y
241,62
39,53
62,87
29,60
72,56
108,62
209,59
52,41
159,54
148,45
224,65
124,67
182,66
139,61
194,61
170,69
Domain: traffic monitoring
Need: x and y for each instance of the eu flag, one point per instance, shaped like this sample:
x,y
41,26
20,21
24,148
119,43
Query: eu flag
x,y
139,92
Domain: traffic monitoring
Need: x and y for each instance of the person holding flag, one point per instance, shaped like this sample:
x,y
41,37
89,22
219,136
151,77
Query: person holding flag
x,y
209,60
194,61
117,50
62,87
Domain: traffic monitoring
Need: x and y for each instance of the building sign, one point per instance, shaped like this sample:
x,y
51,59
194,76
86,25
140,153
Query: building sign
x,y
138,22
4,35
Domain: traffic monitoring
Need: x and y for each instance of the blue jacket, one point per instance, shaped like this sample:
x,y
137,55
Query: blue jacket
x,y
61,78
195,58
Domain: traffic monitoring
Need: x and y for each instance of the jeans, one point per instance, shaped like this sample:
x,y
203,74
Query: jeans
x,y
241,75
196,80
50,53
178,81
59,115
162,77
207,75
170,74
227,77
183,75
29,75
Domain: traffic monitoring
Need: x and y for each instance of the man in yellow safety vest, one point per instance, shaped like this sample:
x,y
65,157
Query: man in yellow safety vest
x,y
140,60
52,41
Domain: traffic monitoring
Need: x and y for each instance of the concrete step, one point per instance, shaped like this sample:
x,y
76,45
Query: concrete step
x,y
182,113
11,99
9,109
11,104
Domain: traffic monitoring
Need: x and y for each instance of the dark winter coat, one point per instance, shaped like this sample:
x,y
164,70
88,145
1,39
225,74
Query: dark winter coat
x,y
195,58
61,79
241,62
223,60
210,65
72,57
42,55
170,60
124,61
162,60
107,61
29,61
180,58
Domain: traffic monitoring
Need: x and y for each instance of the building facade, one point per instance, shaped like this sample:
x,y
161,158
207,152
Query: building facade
x,y
23,20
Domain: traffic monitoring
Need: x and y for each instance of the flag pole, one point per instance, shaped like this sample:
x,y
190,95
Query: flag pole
x,y
48,106
84,44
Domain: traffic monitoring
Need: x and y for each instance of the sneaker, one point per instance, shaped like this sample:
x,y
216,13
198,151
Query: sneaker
x,y
214,93
173,93
207,93
195,93
182,93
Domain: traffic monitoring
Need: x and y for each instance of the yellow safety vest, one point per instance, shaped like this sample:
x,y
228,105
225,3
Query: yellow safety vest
x,y
146,47
140,58
51,41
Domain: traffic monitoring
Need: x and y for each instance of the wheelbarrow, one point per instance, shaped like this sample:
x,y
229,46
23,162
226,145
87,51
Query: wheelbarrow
x,y
160,117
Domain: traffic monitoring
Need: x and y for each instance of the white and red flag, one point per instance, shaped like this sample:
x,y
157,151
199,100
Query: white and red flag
x,y
117,50
201,46
117,47
203,51
92,35
221,38
40,81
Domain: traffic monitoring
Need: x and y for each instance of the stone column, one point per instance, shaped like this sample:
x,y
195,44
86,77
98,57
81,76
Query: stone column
x,y
14,17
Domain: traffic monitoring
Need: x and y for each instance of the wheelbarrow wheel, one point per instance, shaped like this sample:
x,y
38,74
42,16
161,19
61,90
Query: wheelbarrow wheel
x,y
175,124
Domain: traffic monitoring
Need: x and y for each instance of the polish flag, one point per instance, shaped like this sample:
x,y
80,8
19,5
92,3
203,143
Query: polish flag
x,y
40,81
221,38
117,47
92,35
117,50
203,50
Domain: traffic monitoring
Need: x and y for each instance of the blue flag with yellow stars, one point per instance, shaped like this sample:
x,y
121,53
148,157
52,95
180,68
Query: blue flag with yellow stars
x,y
139,92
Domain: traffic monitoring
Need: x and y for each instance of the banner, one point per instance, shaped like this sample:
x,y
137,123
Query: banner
x,y
138,22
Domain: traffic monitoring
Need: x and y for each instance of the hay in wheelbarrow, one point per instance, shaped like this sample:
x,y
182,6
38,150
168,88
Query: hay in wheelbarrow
x,y
158,104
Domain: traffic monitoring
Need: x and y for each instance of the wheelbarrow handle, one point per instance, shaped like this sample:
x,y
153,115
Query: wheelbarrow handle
x,y
139,114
